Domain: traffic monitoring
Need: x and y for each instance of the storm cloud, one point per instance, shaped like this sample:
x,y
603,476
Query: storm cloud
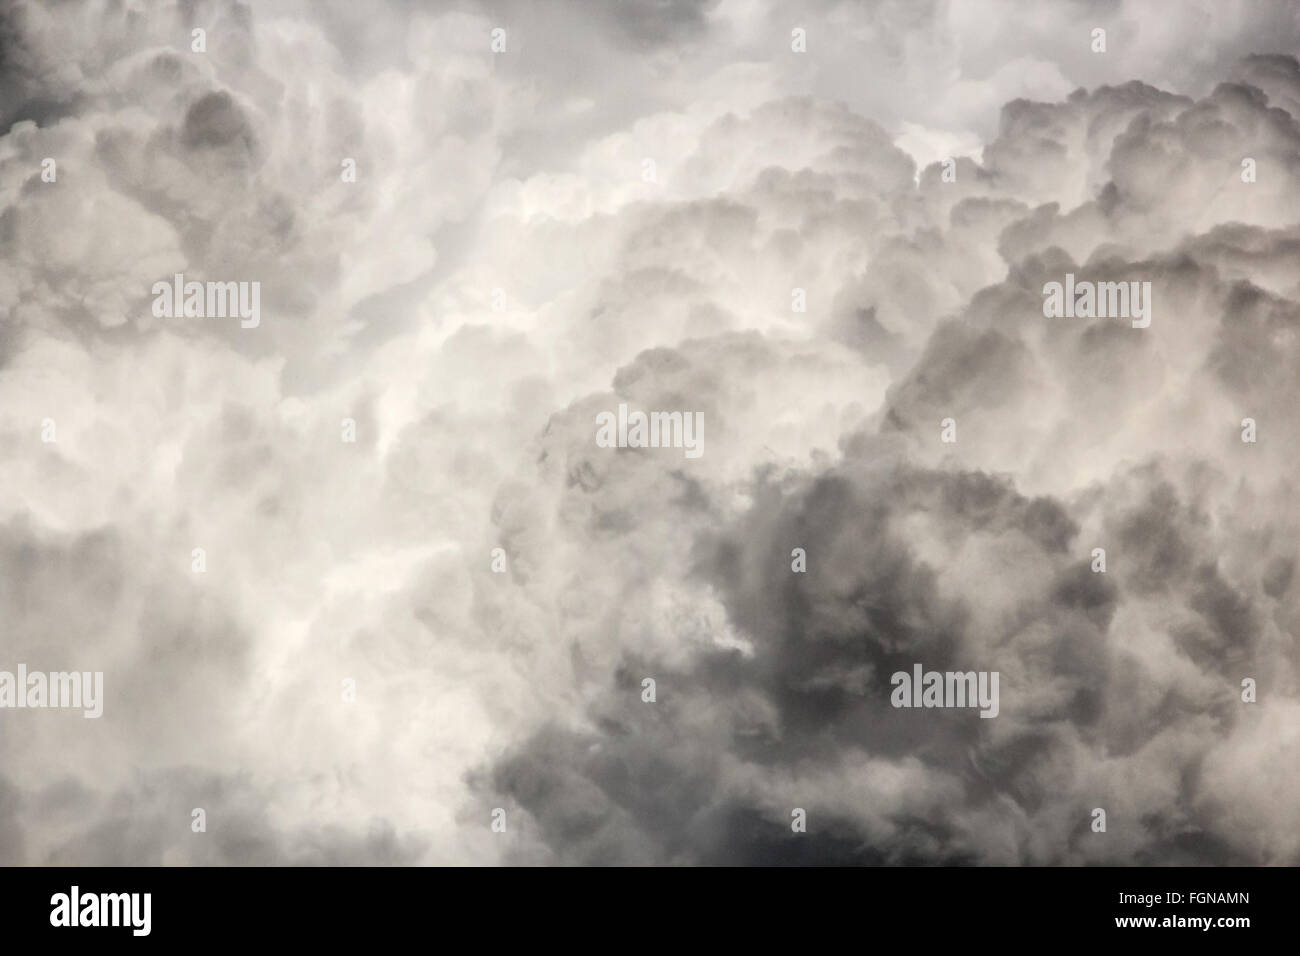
x,y
827,254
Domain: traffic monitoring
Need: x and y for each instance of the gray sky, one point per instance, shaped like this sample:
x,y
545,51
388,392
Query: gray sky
x,y
616,209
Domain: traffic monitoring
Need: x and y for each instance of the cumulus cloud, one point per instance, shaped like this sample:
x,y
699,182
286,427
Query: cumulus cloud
x,y
623,208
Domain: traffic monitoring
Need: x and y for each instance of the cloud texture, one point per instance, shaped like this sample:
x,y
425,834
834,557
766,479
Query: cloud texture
x,y
503,270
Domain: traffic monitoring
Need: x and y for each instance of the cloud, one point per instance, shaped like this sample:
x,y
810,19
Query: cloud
x,y
625,208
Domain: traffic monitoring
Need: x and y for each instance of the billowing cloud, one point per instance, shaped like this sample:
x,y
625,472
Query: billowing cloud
x,y
666,208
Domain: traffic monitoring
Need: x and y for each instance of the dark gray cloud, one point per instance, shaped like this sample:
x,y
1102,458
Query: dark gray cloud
x,y
739,736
